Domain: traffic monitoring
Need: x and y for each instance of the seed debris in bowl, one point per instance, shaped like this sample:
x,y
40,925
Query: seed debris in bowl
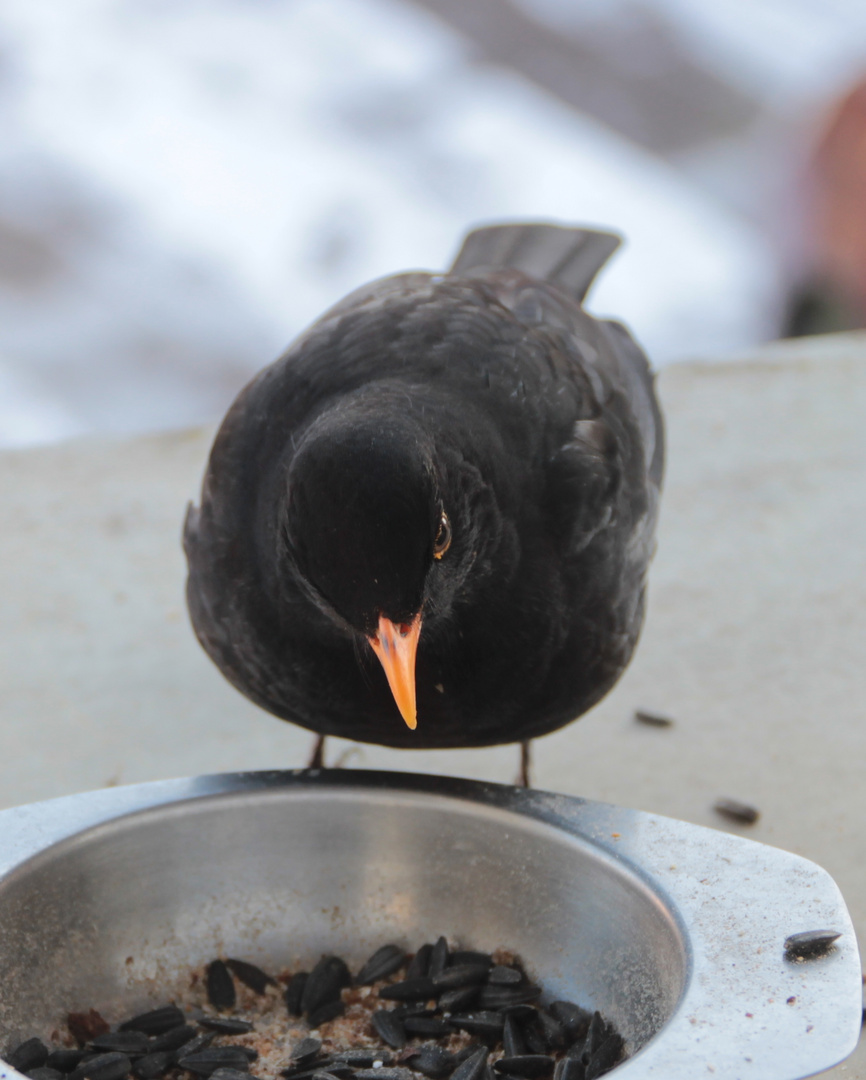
x,y
437,1014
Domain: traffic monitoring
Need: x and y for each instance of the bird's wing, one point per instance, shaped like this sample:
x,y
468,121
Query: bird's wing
x,y
566,257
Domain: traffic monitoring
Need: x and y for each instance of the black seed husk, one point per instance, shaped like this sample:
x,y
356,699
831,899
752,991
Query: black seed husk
x,y
250,1051
528,1066
382,963
737,811
295,993
225,1025
573,1019
250,975
552,1031
438,958
133,1043
194,1046
652,719
502,997
155,1022
460,999
430,1027
604,1057
486,1024
329,1010
326,981
224,1073
570,1068
44,1073
306,1051
152,1065
595,1035
534,1038
323,1074
64,1060
504,976
389,1028
172,1040
455,978
419,965
512,1040
409,990
467,956
220,987
473,1067
208,1061
362,1057
112,1066
810,943
432,1061
31,1054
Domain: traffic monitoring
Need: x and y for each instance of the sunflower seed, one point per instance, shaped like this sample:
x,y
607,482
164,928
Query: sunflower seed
x,y
156,1022
363,1058
604,1057
208,1061
133,1043
295,993
455,978
595,1035
389,1028
486,1024
306,1051
250,975
409,990
502,997
438,958
569,1068
326,981
528,1066
323,1074
573,1019
534,1038
737,811
152,1065
419,965
431,1027
31,1054
504,976
432,1061
330,1010
382,963
467,956
552,1030
810,943
64,1060
194,1046
512,1041
457,1000
226,1025
112,1066
44,1073
220,987
473,1067
394,1073
223,1073
172,1039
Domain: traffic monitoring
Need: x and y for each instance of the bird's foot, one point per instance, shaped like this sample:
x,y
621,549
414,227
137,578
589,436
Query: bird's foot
x,y
523,777
317,759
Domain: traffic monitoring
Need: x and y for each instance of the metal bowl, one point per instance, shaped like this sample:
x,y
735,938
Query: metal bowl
x,y
673,931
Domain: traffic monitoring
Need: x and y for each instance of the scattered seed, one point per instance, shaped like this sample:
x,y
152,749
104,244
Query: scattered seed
x,y
473,1067
208,1061
419,965
44,1073
605,1056
409,990
31,1054
194,1046
438,958
430,1027
156,1022
455,978
306,1051
809,943
737,811
389,1028
152,1065
220,987
459,999
504,976
64,1060
223,1073
325,983
433,1061
394,1073
172,1039
503,997
363,1057
528,1066
226,1025
112,1066
295,993
467,956
569,1068
573,1019
382,963
652,719
250,975
133,1043
330,1010
486,1024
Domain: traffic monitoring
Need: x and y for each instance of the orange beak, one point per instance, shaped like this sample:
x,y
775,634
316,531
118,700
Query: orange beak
x,y
396,645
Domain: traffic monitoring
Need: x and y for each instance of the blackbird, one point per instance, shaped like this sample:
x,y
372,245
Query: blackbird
x,y
428,524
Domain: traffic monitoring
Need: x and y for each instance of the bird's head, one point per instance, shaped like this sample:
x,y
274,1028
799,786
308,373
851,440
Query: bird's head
x,y
366,528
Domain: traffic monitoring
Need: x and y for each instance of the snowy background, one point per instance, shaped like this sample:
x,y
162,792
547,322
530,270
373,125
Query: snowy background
x,y
184,185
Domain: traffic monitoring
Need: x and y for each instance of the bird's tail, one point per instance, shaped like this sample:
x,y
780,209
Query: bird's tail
x,y
567,257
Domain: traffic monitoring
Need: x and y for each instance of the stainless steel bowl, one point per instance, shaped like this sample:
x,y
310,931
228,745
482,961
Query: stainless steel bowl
x,y
673,931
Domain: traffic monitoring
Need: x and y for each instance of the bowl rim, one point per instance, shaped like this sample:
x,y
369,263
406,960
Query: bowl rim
x,y
733,900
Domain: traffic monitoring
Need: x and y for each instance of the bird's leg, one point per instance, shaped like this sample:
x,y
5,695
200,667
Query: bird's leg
x,y
317,760
523,779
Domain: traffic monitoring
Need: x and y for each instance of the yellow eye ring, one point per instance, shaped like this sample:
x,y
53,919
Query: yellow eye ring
x,y
443,537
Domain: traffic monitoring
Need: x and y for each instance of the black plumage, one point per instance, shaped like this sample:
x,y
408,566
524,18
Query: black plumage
x,y
468,453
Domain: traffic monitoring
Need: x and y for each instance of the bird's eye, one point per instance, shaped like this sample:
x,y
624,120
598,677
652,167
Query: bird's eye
x,y
443,537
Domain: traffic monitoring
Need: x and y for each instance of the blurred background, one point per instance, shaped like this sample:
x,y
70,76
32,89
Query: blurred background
x,y
185,184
